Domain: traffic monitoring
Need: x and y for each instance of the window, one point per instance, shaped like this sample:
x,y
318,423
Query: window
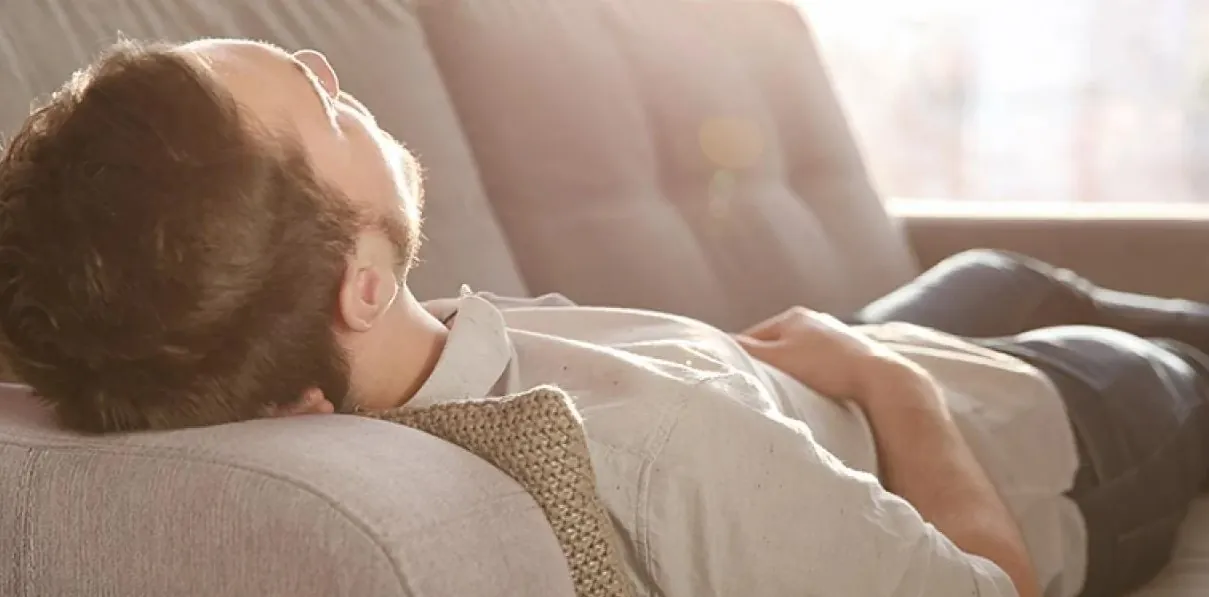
x,y
1025,100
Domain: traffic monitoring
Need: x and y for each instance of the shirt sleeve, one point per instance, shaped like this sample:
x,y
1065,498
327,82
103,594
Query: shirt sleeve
x,y
745,502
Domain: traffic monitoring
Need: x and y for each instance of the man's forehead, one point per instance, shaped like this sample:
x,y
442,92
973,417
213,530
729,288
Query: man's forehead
x,y
251,72
232,55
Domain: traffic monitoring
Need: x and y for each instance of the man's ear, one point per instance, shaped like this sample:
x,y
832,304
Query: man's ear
x,y
367,290
312,402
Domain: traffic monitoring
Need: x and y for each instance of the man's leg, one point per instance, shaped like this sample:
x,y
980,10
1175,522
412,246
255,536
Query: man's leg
x,y
987,293
1140,413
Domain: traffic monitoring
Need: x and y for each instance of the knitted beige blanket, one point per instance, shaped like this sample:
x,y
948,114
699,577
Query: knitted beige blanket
x,y
537,438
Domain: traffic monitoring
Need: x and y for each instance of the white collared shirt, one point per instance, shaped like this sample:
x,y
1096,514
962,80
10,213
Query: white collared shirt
x,y
725,476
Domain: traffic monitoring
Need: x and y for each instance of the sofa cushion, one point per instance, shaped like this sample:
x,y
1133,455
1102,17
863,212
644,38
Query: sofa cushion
x,y
378,50
302,506
682,155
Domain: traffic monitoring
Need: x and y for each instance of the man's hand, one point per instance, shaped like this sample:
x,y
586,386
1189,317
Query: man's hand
x,y
923,456
820,351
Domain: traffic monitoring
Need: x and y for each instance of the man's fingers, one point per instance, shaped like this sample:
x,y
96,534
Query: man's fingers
x,y
773,327
746,340
765,330
754,346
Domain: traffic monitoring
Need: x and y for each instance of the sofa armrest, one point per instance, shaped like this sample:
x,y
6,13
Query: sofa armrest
x,y
315,506
1156,248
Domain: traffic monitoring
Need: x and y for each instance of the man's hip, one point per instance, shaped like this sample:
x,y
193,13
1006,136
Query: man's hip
x,y
1140,416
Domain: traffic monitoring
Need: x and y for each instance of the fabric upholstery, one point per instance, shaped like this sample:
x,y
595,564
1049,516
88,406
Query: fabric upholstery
x,y
679,155
306,506
15,461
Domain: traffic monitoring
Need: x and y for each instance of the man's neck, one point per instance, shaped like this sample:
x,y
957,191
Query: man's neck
x,y
407,349
428,336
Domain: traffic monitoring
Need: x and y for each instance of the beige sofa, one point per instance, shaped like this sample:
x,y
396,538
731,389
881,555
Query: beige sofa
x,y
684,155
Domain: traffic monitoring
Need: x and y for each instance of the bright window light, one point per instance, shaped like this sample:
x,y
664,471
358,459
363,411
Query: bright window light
x,y
1025,100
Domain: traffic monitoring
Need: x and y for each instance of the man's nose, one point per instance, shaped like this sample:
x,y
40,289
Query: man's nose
x,y
322,69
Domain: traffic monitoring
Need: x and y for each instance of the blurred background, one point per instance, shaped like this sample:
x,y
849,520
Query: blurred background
x,y
1025,100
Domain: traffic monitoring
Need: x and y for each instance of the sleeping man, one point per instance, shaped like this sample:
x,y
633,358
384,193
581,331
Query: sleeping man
x,y
213,232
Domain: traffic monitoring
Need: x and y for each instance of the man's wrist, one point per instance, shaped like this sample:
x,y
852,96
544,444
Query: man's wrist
x,y
891,380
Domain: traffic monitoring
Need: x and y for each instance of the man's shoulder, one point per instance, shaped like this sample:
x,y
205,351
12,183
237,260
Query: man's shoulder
x,y
627,400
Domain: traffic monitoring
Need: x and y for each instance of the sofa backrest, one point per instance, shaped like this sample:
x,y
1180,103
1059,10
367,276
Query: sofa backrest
x,y
681,155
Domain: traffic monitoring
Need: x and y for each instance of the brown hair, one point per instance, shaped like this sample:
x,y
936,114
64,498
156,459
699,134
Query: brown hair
x,y
164,263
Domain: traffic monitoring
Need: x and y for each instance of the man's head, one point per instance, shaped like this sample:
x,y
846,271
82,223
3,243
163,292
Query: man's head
x,y
199,234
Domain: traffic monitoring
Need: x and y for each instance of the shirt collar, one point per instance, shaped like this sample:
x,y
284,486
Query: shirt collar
x,y
476,355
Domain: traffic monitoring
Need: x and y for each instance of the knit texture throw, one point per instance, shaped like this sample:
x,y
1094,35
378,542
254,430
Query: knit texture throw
x,y
537,438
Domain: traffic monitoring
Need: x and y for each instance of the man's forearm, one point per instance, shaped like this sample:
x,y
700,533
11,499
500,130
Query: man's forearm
x,y
925,460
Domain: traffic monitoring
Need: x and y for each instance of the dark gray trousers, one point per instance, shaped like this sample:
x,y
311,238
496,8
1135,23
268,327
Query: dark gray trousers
x,y
1134,376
